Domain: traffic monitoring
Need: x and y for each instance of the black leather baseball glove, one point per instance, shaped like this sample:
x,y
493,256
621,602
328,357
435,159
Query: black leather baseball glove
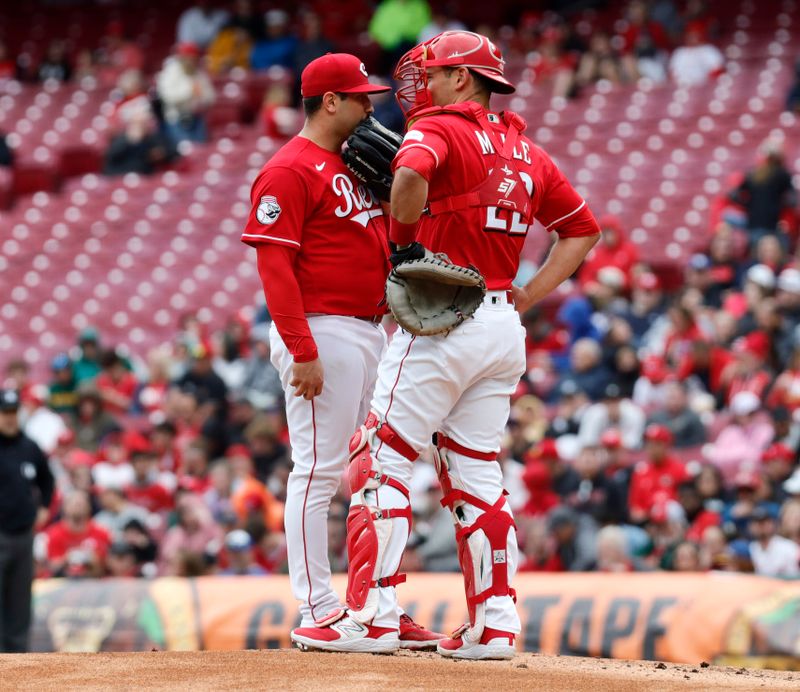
x,y
369,153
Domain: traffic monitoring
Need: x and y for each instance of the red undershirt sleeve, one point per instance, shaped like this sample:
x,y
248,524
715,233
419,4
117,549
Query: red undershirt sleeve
x,y
284,300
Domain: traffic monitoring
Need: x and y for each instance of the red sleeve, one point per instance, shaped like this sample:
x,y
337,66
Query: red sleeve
x,y
562,209
278,200
635,499
285,303
423,149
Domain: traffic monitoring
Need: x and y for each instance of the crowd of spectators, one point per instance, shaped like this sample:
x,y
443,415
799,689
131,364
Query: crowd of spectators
x,y
657,427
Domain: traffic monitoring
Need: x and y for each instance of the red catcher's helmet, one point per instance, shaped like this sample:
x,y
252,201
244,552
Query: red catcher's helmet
x,y
448,49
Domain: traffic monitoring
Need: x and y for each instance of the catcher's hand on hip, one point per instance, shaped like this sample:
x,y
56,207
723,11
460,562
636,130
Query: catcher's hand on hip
x,y
307,379
369,154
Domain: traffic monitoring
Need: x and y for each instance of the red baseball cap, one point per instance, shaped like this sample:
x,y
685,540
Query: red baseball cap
x,y
647,282
339,72
611,439
658,433
777,451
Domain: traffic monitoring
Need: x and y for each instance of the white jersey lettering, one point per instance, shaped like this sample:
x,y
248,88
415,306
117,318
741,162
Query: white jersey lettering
x,y
358,198
485,142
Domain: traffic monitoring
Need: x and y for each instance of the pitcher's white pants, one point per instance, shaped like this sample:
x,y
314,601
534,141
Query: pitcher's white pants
x,y
459,384
319,431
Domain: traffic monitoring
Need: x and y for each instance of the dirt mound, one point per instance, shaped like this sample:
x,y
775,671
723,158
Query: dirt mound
x,y
294,670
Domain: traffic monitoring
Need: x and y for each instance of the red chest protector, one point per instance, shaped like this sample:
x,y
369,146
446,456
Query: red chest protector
x,y
503,187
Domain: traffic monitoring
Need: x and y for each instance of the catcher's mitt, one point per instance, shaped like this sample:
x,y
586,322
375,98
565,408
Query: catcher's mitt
x,y
369,153
432,295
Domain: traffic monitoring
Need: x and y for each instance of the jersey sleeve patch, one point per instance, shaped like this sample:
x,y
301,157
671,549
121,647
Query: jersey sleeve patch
x,y
268,210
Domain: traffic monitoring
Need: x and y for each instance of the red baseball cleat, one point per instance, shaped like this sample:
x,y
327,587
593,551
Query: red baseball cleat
x,y
346,634
416,637
494,644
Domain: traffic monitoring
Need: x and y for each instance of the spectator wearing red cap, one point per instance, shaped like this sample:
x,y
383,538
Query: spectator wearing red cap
x,y
538,482
740,444
685,425
747,371
186,93
564,478
614,250
657,478
777,463
648,391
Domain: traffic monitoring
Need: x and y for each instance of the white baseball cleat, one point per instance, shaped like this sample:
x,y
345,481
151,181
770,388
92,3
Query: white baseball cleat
x,y
494,644
346,634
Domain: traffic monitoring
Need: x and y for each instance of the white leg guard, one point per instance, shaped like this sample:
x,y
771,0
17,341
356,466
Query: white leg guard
x,y
481,533
369,528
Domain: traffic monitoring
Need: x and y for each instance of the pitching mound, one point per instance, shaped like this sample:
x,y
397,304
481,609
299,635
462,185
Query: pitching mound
x,y
294,670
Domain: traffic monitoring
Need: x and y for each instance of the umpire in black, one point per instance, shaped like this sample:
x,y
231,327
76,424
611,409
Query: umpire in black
x,y
26,487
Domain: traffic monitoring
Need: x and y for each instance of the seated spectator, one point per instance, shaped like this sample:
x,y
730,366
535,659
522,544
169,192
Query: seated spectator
x,y
538,549
113,468
600,61
245,17
278,46
116,383
788,298
597,494
612,550
740,444
90,421
203,379
76,546
145,490
685,425
63,395
587,368
563,477
194,476
538,483
443,18
42,425
613,411
614,250
682,332
237,555
656,479
699,514
772,555
696,62
571,402
56,64
136,535
685,557
777,463
188,546
311,45
648,391
186,93
575,537
747,372
785,390
644,44
278,118
551,66
200,23
121,561
116,511
646,307
230,49
269,452
248,495
765,192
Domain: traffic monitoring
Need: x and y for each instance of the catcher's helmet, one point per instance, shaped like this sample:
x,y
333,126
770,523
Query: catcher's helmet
x,y
448,49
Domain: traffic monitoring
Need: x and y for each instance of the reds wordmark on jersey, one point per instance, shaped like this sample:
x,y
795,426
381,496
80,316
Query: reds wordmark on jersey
x,y
305,199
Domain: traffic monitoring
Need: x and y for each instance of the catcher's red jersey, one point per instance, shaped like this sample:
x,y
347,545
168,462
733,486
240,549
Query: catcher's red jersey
x,y
454,154
305,199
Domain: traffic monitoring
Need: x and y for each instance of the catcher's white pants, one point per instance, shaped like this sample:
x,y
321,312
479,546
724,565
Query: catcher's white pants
x,y
319,432
459,384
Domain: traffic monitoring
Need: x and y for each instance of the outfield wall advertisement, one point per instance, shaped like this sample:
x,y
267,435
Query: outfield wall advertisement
x,y
690,618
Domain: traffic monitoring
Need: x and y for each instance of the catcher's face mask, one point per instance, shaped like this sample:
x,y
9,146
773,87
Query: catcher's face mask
x,y
448,49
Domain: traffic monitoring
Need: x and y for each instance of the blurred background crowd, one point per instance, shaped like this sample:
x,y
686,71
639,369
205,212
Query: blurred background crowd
x,y
657,426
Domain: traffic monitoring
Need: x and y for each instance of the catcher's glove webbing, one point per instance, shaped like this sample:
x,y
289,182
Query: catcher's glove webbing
x,y
369,153
432,295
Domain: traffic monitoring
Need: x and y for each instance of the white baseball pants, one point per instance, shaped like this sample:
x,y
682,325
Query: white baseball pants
x,y
320,430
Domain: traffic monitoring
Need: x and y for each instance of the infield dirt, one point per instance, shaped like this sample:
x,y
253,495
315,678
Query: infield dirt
x,y
295,670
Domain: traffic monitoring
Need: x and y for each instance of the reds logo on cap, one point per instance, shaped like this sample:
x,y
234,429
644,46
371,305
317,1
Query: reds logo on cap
x,y
338,72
